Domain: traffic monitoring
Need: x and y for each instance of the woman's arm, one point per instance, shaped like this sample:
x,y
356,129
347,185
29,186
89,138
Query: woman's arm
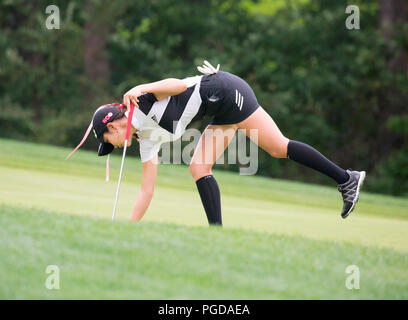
x,y
149,173
161,89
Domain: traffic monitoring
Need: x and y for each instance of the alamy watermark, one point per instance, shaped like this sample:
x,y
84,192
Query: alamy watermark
x,y
353,20
52,282
353,280
53,20
213,142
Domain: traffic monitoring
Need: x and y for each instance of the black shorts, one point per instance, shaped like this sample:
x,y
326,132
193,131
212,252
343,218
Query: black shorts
x,y
227,97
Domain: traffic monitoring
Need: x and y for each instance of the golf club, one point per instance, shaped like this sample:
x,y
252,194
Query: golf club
x,y
129,122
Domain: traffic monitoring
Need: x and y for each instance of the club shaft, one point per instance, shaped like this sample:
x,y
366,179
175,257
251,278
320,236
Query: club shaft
x,y
120,178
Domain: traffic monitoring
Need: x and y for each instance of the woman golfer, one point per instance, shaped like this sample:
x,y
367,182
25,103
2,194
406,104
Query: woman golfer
x,y
163,110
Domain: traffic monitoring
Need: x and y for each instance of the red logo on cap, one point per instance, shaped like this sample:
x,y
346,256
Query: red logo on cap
x,y
107,117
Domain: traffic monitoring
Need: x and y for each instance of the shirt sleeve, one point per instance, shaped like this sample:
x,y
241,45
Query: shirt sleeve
x,y
146,101
148,149
149,97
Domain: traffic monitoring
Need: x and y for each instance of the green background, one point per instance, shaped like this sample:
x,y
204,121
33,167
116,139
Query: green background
x,y
342,91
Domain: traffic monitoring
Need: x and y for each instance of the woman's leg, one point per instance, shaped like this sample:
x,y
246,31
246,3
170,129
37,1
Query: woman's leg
x,y
272,141
277,145
214,140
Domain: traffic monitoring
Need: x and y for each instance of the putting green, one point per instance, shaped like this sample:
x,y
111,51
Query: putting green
x,y
38,176
281,239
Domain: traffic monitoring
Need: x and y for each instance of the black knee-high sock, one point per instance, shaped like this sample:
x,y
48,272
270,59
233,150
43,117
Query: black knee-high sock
x,y
310,157
210,197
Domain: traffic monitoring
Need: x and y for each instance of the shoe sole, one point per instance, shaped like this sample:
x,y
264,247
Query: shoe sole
x,y
359,185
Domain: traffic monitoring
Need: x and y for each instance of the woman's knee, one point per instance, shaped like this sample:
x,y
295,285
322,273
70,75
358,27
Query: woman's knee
x,y
279,149
199,170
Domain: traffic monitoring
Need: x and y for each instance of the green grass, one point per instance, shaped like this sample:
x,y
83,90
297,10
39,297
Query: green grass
x,y
100,259
281,240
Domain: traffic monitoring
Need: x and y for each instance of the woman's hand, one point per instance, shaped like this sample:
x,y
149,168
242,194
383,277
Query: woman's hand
x,y
149,173
132,97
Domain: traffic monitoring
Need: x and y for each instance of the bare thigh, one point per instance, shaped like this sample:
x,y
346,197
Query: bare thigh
x,y
270,138
213,142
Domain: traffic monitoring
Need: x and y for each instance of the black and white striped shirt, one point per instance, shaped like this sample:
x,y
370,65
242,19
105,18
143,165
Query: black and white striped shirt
x,y
165,120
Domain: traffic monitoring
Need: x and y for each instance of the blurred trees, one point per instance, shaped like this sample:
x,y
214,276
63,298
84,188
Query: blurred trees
x,y
342,91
